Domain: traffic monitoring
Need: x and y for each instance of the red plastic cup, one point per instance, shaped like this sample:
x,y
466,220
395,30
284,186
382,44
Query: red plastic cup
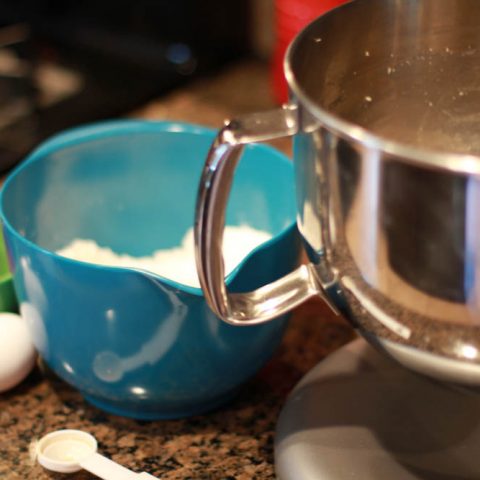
x,y
290,17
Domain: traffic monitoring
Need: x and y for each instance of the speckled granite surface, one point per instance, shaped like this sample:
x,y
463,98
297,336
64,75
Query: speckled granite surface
x,y
235,442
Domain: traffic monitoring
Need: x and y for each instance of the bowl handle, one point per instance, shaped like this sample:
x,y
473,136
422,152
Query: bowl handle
x,y
271,300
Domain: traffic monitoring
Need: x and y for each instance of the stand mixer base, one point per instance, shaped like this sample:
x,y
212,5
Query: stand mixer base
x,y
359,415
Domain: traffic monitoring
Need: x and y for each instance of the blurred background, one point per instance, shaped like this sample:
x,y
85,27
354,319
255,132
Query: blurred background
x,y
63,63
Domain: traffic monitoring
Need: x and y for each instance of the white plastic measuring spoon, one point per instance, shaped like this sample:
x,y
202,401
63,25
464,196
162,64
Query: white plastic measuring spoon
x,y
68,451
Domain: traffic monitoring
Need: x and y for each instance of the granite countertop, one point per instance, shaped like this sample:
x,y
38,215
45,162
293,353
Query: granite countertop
x,y
235,442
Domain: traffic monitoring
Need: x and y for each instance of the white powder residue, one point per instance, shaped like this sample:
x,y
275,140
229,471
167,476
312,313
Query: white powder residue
x,y
176,263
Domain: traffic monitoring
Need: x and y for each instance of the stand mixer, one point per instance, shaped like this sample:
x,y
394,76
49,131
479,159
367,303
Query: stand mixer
x,y
383,111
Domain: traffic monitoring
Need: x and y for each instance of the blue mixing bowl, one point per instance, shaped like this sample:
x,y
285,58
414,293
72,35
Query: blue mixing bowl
x,y
132,342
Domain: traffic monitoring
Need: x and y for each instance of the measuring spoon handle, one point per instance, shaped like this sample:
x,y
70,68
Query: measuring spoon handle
x,y
107,469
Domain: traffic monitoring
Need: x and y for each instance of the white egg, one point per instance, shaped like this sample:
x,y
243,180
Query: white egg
x,y
17,353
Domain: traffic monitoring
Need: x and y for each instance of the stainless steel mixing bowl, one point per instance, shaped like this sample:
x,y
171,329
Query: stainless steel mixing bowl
x,y
385,118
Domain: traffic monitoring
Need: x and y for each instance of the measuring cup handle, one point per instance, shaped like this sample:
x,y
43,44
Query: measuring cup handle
x,y
273,299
